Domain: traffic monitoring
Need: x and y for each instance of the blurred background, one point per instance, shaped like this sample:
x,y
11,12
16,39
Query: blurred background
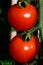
x,y
4,29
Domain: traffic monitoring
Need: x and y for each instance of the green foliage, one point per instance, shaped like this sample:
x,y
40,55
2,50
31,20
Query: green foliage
x,y
0,11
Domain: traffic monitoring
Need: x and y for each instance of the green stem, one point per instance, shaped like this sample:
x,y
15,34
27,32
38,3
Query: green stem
x,y
12,29
23,3
28,1
28,36
34,29
41,17
29,33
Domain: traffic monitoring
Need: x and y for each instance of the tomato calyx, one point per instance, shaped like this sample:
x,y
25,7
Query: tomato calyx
x,y
27,35
22,4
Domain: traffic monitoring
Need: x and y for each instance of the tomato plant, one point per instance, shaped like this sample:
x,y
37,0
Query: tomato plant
x,y
23,51
22,18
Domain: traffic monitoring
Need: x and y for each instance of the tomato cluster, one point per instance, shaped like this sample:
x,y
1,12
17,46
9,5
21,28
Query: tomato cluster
x,y
23,19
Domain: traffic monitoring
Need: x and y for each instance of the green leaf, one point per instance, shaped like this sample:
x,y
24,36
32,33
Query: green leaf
x,y
7,62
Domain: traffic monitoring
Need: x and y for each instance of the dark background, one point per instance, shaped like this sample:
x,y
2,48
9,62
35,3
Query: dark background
x,y
4,29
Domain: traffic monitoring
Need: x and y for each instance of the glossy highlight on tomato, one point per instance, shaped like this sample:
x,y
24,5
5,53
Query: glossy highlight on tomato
x,y
23,51
22,18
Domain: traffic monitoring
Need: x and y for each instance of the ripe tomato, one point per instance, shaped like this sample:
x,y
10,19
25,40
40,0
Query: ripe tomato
x,y
22,18
23,51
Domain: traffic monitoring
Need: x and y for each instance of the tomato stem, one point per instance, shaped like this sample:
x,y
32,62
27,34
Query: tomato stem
x,y
23,3
12,29
28,37
31,30
41,18
34,29
28,1
28,33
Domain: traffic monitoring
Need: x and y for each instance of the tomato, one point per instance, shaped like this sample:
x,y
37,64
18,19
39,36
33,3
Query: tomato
x,y
23,51
22,18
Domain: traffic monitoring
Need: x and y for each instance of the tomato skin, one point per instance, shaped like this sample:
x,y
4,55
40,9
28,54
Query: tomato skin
x,y
22,18
23,51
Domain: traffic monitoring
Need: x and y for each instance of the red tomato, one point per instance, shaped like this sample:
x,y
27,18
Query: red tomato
x,y
22,18
23,51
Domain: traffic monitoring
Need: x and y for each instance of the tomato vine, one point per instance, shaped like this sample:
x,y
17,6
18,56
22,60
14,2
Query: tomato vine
x,y
40,22
41,18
